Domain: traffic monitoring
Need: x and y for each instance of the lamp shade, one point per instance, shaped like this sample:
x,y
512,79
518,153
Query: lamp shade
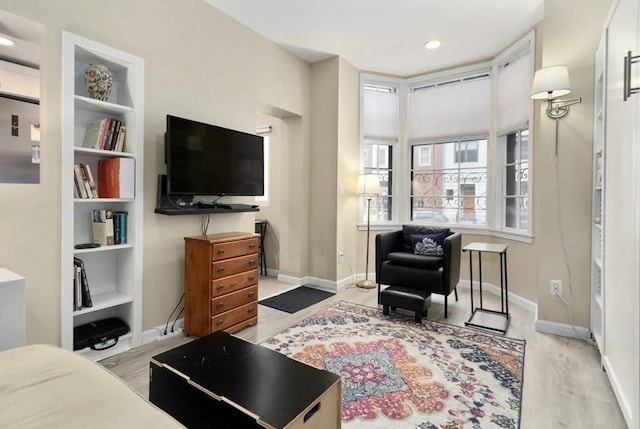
x,y
368,184
550,82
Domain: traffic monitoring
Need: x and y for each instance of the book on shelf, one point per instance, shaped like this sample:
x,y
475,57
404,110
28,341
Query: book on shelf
x,y
116,178
120,227
77,288
85,184
85,294
102,227
104,134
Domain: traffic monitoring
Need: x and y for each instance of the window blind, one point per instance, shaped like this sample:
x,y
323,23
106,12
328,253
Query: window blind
x,y
514,83
380,106
455,107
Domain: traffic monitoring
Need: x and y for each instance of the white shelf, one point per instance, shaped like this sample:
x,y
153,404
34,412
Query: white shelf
x,y
114,272
94,105
103,248
102,153
105,300
103,200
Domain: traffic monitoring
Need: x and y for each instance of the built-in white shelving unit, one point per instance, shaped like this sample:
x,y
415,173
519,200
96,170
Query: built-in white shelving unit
x,y
598,196
114,273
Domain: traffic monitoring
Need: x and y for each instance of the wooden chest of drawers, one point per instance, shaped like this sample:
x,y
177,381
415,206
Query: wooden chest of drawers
x,y
220,282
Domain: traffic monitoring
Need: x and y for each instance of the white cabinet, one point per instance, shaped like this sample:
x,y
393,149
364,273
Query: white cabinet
x,y
114,272
12,310
621,215
598,197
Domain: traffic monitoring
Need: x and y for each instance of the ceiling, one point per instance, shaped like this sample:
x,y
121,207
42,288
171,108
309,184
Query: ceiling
x,y
388,36
25,34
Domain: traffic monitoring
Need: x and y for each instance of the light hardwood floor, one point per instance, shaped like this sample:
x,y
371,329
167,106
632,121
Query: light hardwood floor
x,y
564,385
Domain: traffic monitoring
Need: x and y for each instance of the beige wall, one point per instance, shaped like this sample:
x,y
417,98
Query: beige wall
x,y
199,64
348,167
335,154
562,192
323,169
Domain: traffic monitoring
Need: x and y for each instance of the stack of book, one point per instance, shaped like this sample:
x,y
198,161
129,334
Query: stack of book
x,y
109,227
105,134
81,294
85,184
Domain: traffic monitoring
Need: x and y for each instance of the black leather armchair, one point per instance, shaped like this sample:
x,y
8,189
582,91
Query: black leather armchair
x,y
397,265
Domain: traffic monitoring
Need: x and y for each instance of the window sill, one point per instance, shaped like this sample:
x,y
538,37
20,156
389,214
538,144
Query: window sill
x,y
522,237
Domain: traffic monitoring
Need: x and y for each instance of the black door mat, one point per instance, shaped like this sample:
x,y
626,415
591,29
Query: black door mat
x,y
296,299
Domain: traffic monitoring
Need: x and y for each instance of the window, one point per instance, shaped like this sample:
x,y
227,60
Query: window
x,y
378,159
424,155
264,132
466,152
380,101
516,180
448,191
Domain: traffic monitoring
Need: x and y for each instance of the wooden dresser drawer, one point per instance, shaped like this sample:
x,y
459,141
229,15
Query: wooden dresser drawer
x,y
233,266
229,284
235,299
234,317
233,249
240,326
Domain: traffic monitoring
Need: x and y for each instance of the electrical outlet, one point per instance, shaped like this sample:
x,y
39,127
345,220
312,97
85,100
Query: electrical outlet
x,y
555,287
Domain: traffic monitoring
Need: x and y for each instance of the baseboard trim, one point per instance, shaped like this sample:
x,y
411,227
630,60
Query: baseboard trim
x,y
317,283
562,329
157,333
615,386
495,290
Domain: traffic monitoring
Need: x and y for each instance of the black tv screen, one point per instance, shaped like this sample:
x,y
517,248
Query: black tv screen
x,y
205,159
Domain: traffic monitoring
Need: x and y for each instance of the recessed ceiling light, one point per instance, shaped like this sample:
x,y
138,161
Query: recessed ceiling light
x,y
432,44
6,42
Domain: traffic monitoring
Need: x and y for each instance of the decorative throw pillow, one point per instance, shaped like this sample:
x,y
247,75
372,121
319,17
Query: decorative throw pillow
x,y
428,244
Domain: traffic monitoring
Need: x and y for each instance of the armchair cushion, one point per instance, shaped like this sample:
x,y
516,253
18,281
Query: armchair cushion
x,y
428,244
407,259
408,230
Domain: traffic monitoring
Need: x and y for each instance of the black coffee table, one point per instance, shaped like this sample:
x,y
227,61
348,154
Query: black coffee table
x,y
224,382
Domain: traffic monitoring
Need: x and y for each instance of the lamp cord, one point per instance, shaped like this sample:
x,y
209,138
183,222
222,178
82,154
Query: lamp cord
x,y
564,249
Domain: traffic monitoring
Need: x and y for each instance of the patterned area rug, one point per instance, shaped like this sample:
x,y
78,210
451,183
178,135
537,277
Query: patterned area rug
x,y
396,373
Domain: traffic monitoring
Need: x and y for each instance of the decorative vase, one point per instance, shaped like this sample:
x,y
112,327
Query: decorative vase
x,y
98,80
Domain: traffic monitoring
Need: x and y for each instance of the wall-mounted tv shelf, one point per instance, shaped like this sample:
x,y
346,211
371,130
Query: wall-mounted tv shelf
x,y
172,211
184,205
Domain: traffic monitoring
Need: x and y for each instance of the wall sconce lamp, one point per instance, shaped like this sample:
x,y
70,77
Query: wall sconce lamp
x,y
549,83
369,186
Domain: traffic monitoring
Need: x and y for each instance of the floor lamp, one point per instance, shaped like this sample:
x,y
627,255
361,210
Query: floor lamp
x,y
369,186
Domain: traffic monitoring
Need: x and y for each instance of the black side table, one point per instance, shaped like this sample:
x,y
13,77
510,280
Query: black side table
x,y
261,228
480,316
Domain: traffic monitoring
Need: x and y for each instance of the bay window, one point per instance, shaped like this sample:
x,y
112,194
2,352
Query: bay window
x,y
453,147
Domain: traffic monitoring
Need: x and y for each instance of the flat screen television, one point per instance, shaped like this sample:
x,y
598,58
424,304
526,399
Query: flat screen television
x,y
205,159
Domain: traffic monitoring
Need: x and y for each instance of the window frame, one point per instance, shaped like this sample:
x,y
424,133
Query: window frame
x,y
264,132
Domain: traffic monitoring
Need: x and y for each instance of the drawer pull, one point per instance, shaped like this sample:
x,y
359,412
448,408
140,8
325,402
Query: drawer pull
x,y
219,322
220,287
251,293
252,246
220,251
252,278
220,305
251,310
252,262
221,269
